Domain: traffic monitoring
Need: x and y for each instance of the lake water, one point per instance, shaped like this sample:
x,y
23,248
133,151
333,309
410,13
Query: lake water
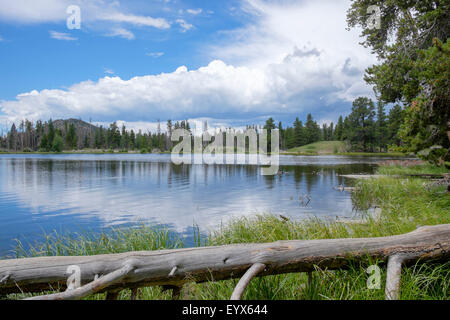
x,y
73,193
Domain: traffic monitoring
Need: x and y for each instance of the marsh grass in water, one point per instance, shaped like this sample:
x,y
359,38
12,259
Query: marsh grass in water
x,y
404,204
414,169
118,240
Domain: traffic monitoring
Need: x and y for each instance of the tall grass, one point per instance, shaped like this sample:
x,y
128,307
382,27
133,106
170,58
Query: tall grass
x,y
415,169
404,204
119,240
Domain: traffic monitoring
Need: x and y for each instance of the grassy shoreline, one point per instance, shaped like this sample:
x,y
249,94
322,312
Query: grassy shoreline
x,y
404,204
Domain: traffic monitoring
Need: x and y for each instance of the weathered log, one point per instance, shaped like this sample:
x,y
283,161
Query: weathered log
x,y
176,267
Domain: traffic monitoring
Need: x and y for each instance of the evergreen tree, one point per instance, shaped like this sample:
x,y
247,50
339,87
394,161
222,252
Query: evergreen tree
x,y
269,126
361,129
71,137
381,128
12,138
299,134
50,135
339,132
331,132
312,130
395,120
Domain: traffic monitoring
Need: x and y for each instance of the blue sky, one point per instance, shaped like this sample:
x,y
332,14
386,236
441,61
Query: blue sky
x,y
231,62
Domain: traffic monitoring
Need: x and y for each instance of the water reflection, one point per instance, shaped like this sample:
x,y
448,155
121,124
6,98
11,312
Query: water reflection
x,y
88,192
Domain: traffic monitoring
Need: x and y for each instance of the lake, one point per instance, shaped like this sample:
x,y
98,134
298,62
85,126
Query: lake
x,y
78,193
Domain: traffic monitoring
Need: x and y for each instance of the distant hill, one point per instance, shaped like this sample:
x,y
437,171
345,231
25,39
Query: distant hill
x,y
80,125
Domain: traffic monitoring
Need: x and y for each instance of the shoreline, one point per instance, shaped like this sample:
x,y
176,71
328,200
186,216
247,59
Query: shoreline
x,y
348,154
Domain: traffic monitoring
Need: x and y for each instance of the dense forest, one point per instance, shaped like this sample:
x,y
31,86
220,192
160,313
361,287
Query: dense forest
x,y
366,129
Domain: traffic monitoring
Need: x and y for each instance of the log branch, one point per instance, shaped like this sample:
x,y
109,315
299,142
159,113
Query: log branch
x,y
394,272
91,288
245,280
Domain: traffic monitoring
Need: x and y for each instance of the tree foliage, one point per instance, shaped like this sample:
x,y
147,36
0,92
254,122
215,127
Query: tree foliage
x,y
412,46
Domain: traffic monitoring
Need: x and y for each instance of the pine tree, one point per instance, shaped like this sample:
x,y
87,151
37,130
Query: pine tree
x,y
381,128
361,129
312,130
339,132
299,133
395,120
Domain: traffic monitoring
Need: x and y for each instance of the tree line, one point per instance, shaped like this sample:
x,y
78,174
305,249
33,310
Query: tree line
x,y
72,134
365,129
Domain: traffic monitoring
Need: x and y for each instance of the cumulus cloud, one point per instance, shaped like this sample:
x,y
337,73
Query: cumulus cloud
x,y
309,27
184,25
62,36
218,88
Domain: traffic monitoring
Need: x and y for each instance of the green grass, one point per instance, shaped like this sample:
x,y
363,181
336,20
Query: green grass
x,y
118,240
321,147
411,170
340,148
372,154
404,204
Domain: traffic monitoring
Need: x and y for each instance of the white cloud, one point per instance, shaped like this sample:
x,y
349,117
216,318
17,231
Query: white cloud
x,y
24,11
155,54
62,36
108,71
99,15
122,33
194,11
184,25
279,27
216,89
159,23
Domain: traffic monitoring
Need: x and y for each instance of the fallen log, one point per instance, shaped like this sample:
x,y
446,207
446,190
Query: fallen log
x,y
173,268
